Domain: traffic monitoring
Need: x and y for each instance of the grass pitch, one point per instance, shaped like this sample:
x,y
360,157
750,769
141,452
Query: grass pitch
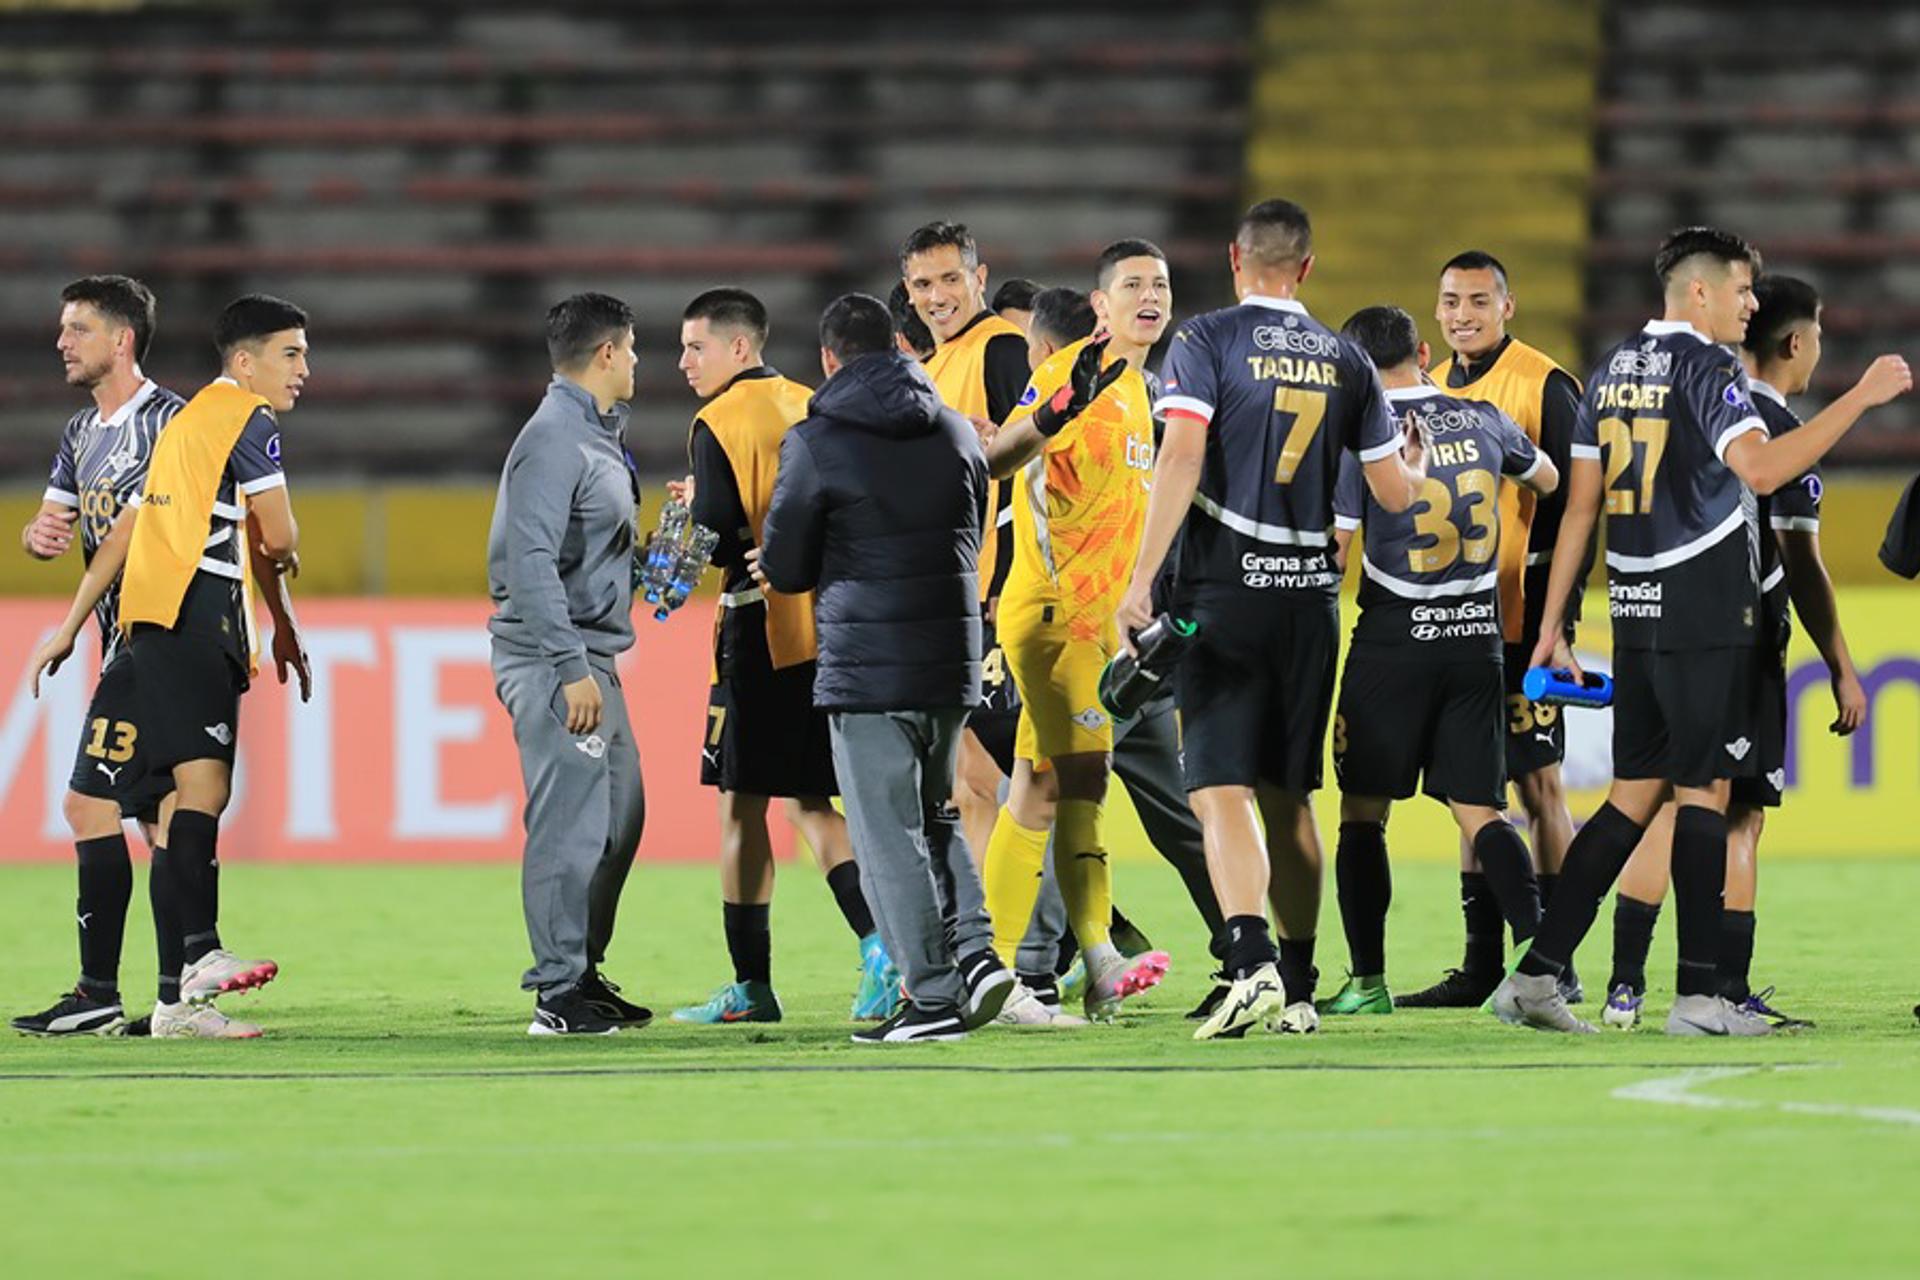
x,y
398,1121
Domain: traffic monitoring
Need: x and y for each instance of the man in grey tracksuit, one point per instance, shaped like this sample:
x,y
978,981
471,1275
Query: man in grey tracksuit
x,y
559,565
877,509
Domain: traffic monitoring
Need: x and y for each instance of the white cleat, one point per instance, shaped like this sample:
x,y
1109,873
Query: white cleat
x,y
1712,1016
1534,1000
1257,1000
1299,1019
220,973
186,1021
1118,978
1025,1009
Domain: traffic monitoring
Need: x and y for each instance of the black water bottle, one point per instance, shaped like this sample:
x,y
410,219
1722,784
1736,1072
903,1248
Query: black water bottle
x,y
1132,680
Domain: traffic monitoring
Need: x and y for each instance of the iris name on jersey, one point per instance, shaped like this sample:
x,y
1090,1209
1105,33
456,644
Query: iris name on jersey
x,y
1659,414
1283,398
1430,574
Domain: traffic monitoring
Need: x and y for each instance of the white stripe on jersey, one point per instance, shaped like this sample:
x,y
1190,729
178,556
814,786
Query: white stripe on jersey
x,y
1736,519
1795,524
1036,478
1278,535
1773,579
1734,432
1429,591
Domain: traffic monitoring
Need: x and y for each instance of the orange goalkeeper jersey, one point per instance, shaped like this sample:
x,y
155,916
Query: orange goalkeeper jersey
x,y
1079,506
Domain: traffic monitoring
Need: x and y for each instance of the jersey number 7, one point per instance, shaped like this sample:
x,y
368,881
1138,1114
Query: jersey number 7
x,y
1308,409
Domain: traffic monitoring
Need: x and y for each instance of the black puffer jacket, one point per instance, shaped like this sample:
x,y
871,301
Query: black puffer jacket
x,y
877,509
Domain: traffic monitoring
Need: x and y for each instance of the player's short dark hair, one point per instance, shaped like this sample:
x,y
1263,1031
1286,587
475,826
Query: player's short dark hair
x,y
733,308
1016,294
1275,232
579,325
1478,260
1063,315
1387,334
1118,252
936,235
122,300
253,317
908,321
1695,242
1785,301
855,325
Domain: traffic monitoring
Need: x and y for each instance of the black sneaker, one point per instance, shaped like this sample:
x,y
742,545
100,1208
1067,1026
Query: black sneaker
x,y
602,995
76,1014
1210,1003
1458,990
910,1023
989,984
1570,989
569,1014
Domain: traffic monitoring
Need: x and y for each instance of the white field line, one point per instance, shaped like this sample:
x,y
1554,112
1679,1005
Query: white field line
x,y
1680,1091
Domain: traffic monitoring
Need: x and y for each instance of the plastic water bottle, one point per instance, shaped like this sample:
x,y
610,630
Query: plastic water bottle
x,y
1557,687
1131,680
696,551
654,576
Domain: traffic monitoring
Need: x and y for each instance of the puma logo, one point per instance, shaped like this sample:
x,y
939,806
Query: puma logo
x,y
113,775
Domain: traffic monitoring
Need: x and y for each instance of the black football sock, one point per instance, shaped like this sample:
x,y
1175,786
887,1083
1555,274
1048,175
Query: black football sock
x,y
1297,973
1699,881
166,926
194,853
1633,922
1736,954
1486,944
1509,871
1069,950
749,932
1594,861
844,880
1249,945
1363,880
106,889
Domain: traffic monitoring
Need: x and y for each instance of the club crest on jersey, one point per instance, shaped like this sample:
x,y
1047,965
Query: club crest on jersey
x,y
1092,719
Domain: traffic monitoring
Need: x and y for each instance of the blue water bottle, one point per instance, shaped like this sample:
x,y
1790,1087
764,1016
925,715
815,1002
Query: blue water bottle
x,y
1557,687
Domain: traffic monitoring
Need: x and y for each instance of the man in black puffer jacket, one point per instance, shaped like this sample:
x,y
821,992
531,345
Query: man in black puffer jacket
x,y
877,509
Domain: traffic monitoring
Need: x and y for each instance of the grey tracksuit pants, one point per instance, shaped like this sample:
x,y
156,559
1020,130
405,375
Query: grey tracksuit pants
x,y
1146,760
585,810
896,780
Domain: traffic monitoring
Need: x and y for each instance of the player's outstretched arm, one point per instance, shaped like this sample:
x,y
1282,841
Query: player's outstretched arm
x,y
1819,609
1176,478
1020,439
100,575
1569,554
1545,479
1766,464
50,532
1395,480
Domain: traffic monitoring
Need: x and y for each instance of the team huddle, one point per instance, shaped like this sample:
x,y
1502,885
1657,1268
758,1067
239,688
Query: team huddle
x,y
929,563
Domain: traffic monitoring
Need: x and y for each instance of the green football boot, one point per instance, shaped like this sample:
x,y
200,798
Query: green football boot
x,y
1359,995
